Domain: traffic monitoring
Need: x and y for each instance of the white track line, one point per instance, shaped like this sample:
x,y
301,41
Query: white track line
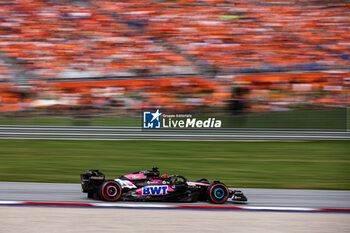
x,y
165,206
177,135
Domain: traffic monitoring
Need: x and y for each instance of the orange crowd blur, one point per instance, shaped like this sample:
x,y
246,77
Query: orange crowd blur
x,y
305,44
266,92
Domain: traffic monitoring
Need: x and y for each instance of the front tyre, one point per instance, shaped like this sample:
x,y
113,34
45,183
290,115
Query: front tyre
x,y
217,193
110,190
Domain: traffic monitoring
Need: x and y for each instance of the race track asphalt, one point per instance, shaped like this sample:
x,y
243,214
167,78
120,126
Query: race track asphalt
x,y
71,193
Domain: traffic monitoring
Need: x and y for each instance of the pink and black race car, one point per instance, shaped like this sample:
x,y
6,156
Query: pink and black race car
x,y
149,186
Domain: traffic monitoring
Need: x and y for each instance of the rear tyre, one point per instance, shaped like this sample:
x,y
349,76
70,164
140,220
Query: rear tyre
x,y
217,193
90,194
110,190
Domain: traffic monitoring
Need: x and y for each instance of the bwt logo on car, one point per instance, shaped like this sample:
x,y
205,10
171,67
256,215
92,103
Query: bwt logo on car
x,y
155,190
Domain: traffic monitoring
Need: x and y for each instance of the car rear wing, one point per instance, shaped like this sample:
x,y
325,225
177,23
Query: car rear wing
x,y
91,180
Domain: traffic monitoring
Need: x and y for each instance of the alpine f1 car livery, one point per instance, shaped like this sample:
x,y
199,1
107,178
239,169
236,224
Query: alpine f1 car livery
x,y
149,186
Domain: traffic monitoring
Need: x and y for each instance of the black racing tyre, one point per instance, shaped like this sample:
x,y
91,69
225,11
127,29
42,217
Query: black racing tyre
x,y
217,193
110,190
90,194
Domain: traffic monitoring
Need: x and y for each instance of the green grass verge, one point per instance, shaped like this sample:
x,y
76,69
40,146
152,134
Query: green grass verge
x,y
304,165
298,119
69,121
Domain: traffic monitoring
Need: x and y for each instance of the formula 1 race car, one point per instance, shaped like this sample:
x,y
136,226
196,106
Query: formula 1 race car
x,y
149,186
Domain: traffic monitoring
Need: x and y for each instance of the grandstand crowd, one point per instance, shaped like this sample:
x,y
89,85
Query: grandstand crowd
x,y
173,54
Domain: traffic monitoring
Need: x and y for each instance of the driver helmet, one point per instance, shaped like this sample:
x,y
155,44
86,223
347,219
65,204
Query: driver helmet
x,y
164,176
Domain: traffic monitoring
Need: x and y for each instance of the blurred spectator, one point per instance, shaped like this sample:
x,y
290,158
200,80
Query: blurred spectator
x,y
188,39
262,92
236,36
